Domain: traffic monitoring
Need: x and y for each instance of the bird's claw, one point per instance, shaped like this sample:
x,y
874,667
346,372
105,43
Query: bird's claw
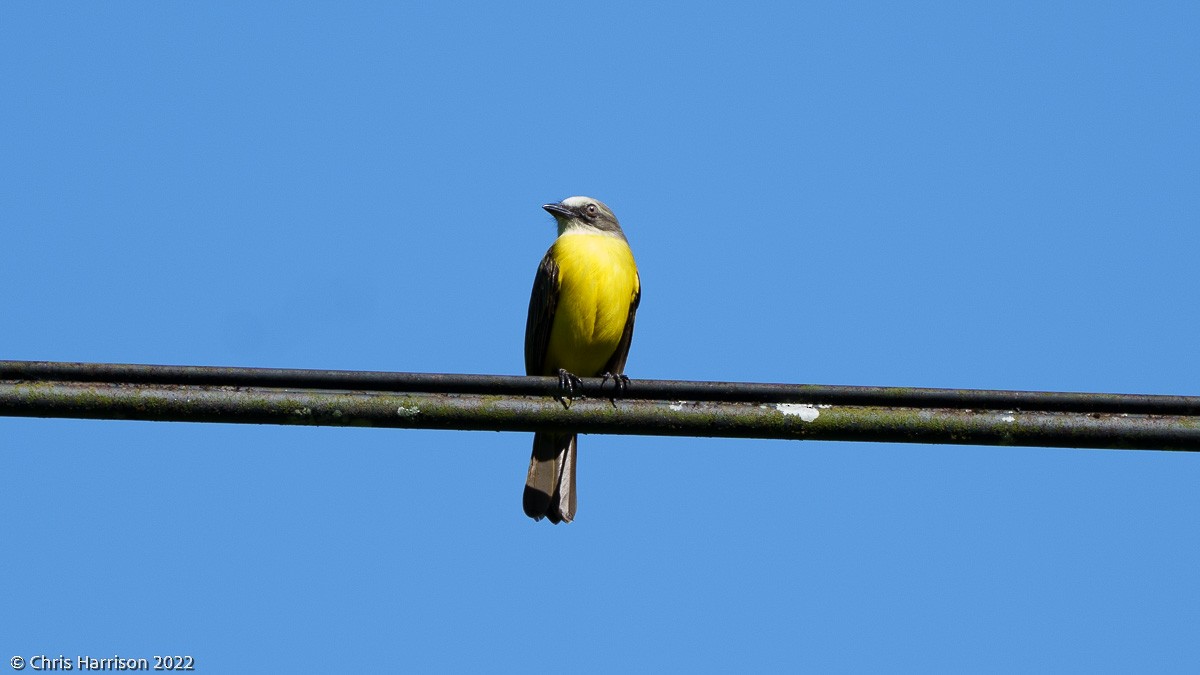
x,y
620,380
568,385
620,383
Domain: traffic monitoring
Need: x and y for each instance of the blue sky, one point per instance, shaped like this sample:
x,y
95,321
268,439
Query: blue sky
x,y
934,194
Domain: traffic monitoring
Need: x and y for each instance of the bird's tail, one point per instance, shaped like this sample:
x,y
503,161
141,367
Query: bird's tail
x,y
550,487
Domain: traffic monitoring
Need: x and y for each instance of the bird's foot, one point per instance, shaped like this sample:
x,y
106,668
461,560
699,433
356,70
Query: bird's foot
x,y
620,384
568,385
620,380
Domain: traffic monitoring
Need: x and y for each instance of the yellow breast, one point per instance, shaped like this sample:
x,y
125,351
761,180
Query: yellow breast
x,y
597,281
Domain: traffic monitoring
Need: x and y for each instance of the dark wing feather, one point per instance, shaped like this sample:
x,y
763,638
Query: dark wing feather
x,y
542,303
616,364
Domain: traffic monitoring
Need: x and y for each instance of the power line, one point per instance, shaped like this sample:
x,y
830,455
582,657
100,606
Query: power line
x,y
651,407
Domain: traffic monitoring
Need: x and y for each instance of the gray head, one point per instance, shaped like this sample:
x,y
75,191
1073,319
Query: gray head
x,y
584,214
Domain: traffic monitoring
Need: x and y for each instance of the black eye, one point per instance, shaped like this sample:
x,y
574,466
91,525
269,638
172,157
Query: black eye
x,y
591,210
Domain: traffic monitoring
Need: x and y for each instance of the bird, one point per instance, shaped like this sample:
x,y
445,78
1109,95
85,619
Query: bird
x,y
580,324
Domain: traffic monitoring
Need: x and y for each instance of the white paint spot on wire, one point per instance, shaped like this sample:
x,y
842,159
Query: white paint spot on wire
x,y
804,411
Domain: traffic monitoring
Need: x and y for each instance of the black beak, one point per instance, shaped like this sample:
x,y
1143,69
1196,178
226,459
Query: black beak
x,y
559,210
